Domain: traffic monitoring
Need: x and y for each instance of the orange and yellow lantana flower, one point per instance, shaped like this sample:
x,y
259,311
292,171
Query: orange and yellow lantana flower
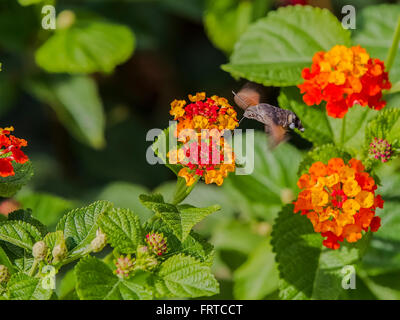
x,y
10,150
207,155
204,113
344,77
339,199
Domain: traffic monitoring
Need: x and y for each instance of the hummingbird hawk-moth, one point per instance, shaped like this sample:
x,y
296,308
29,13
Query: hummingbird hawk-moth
x,y
277,121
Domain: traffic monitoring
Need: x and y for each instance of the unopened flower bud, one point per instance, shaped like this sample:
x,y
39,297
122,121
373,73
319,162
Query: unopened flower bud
x,y
150,263
39,250
157,243
99,242
147,262
142,251
66,19
381,149
59,252
124,265
4,274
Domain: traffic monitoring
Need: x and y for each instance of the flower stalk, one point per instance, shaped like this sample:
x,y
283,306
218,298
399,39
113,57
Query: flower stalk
x,y
182,190
394,48
34,267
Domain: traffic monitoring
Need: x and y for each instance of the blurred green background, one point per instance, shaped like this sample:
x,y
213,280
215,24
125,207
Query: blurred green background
x,y
87,128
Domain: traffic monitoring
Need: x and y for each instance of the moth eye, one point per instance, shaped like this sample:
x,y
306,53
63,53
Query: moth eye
x,y
292,126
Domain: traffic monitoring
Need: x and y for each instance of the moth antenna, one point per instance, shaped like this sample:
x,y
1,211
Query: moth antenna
x,y
240,120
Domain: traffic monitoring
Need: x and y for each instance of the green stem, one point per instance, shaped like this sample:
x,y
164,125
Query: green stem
x,y
33,268
154,218
73,258
343,131
394,48
182,190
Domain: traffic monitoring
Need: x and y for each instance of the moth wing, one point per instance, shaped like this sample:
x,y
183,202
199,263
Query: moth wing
x,y
249,95
278,134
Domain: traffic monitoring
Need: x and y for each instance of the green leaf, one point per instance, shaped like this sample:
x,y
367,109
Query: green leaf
x,y
226,20
189,216
375,31
123,229
323,153
77,103
353,128
80,226
394,89
236,236
322,129
126,195
66,287
258,276
383,254
47,208
183,276
314,118
23,287
26,215
87,46
24,263
96,281
274,178
384,286
54,238
29,2
152,201
19,233
308,270
9,186
362,292
197,246
180,219
274,50
5,260
386,126
390,181
205,195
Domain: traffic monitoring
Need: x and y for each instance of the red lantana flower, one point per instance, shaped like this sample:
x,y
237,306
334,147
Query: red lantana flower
x,y
206,154
344,77
10,150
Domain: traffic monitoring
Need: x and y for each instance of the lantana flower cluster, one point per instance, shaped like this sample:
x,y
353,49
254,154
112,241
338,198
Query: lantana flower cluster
x,y
204,152
344,77
339,199
10,150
